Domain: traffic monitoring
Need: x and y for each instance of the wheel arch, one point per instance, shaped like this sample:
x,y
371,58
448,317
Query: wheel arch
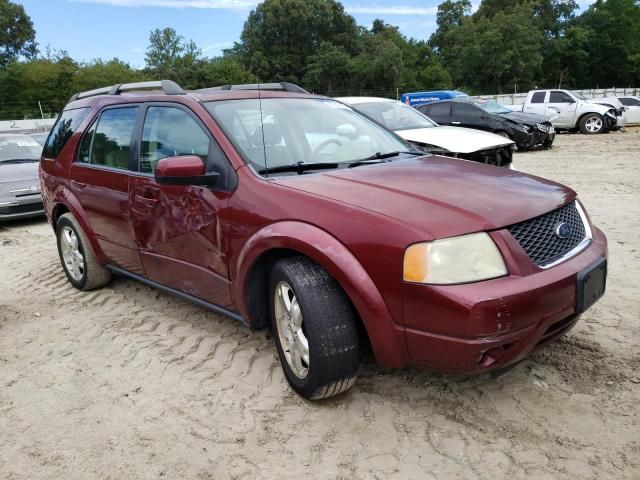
x,y
64,201
290,238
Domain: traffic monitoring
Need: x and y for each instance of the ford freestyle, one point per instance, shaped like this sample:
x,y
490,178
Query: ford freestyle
x,y
277,207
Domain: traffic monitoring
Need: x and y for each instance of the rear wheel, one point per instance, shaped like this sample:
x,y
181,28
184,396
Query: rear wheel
x,y
591,124
77,258
314,328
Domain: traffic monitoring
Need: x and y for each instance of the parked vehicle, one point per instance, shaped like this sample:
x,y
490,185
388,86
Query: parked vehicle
x,y
19,183
427,135
573,111
526,130
290,209
631,106
420,98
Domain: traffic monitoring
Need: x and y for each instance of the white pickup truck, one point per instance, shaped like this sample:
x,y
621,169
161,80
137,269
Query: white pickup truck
x,y
572,111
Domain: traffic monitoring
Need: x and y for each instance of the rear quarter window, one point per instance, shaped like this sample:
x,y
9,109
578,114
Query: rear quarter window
x,y
61,132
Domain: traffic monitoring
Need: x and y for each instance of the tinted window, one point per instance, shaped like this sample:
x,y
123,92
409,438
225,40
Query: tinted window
x,y
559,97
61,132
111,138
171,132
438,110
630,102
467,112
538,97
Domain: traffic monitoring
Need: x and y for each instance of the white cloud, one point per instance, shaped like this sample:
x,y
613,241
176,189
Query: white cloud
x,y
216,46
393,10
213,4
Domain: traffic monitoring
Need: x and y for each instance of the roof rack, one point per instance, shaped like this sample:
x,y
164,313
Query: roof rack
x,y
280,86
169,87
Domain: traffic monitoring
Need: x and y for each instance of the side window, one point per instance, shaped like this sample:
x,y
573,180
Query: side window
x,y
629,102
439,110
61,132
171,132
559,97
84,154
108,142
466,112
538,97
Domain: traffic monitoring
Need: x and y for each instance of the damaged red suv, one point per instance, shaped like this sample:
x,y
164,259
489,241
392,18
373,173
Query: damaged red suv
x,y
277,207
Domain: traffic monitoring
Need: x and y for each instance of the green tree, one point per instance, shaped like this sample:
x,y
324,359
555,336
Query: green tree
x,y
328,69
225,70
170,56
280,36
613,44
17,35
100,73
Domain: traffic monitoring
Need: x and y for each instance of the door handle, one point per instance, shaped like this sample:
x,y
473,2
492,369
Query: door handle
x,y
455,123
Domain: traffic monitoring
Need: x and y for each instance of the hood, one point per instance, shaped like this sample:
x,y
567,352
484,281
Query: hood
x,y
442,196
455,139
526,118
19,172
597,107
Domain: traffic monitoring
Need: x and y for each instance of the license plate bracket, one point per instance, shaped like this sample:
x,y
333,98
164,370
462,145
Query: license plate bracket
x,y
591,284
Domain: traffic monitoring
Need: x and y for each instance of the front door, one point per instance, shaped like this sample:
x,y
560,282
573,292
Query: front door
x,y
100,181
561,109
470,116
178,228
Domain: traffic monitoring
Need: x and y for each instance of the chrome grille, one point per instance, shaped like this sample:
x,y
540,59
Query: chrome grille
x,y
538,237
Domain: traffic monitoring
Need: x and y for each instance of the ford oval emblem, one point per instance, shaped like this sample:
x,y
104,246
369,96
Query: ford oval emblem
x,y
563,230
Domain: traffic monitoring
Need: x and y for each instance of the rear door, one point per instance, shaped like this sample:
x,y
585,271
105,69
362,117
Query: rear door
x,y
537,103
561,109
99,178
179,228
632,109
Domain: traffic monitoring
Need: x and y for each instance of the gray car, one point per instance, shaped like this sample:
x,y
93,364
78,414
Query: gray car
x,y
19,184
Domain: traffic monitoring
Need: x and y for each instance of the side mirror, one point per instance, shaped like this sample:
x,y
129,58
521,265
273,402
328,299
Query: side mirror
x,y
187,170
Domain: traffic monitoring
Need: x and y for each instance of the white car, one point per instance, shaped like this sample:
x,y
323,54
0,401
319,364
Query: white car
x,y
631,107
426,134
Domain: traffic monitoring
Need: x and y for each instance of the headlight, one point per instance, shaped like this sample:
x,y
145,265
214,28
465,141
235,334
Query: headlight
x,y
469,258
612,113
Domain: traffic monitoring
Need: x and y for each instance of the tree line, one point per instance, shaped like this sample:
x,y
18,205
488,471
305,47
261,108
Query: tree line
x,y
502,46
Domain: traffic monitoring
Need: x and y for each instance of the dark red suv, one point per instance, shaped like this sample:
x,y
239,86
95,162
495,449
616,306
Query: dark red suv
x,y
277,207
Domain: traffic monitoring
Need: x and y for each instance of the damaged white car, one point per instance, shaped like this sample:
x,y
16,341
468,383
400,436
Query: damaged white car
x,y
424,133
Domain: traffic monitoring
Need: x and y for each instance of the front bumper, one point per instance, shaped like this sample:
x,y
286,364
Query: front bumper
x,y
21,208
488,325
533,139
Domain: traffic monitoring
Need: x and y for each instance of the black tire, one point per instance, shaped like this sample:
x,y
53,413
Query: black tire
x,y
329,325
93,275
588,121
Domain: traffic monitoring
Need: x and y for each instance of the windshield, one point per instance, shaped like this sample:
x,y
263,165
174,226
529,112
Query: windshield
x,y
491,106
395,115
580,96
299,130
19,147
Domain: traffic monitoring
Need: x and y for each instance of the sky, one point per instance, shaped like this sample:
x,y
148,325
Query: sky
x,y
90,29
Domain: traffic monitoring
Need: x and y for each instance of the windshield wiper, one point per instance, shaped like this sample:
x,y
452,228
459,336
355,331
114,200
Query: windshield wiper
x,y
300,167
380,157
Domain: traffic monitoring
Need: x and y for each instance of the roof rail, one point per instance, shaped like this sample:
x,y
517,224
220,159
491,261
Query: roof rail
x,y
169,87
280,86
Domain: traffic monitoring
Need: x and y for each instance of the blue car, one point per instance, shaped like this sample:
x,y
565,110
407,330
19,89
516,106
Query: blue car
x,y
420,98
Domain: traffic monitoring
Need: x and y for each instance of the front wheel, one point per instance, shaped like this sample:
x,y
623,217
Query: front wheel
x,y
314,327
591,124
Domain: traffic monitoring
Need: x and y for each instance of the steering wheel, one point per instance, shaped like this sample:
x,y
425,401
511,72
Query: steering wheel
x,y
325,144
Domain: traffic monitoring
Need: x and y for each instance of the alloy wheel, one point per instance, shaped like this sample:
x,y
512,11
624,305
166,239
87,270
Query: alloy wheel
x,y
289,322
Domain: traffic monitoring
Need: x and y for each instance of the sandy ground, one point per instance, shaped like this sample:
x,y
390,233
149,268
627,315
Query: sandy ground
x,y
127,382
